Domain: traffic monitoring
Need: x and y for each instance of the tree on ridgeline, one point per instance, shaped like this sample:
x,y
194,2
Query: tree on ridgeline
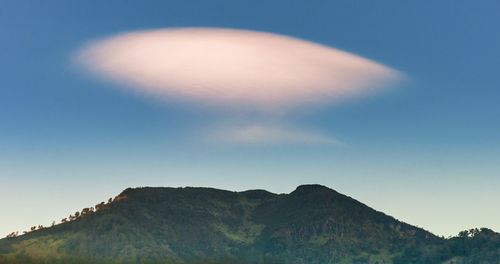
x,y
85,211
100,206
13,234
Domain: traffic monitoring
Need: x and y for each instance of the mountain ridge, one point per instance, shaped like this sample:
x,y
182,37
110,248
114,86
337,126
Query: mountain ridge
x,y
312,224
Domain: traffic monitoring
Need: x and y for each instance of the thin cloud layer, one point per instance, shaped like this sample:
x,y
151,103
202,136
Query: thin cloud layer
x,y
233,67
268,134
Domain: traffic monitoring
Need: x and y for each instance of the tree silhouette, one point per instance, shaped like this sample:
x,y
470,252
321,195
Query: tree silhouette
x,y
100,206
13,234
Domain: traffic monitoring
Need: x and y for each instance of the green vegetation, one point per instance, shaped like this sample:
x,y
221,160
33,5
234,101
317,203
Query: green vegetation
x,y
313,224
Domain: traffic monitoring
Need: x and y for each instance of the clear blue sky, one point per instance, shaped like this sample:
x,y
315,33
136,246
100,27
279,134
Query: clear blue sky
x,y
426,152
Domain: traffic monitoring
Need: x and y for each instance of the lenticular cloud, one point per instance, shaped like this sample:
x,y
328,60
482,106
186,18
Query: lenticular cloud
x,y
234,67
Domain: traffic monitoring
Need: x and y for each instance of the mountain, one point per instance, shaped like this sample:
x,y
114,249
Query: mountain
x,y
313,224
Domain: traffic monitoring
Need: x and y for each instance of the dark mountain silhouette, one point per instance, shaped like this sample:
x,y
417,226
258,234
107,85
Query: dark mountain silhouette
x,y
313,224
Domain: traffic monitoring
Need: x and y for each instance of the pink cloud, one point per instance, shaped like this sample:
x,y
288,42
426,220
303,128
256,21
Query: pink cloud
x,y
233,67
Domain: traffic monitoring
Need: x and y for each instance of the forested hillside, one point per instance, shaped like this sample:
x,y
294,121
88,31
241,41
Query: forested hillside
x,y
313,224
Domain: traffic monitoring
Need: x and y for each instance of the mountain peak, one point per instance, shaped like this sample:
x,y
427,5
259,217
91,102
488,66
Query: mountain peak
x,y
312,189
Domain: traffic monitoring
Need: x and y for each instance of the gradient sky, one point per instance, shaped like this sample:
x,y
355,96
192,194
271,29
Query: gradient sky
x,y
426,151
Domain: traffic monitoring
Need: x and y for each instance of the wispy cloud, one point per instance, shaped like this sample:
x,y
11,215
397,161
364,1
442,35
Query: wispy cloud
x,y
268,134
